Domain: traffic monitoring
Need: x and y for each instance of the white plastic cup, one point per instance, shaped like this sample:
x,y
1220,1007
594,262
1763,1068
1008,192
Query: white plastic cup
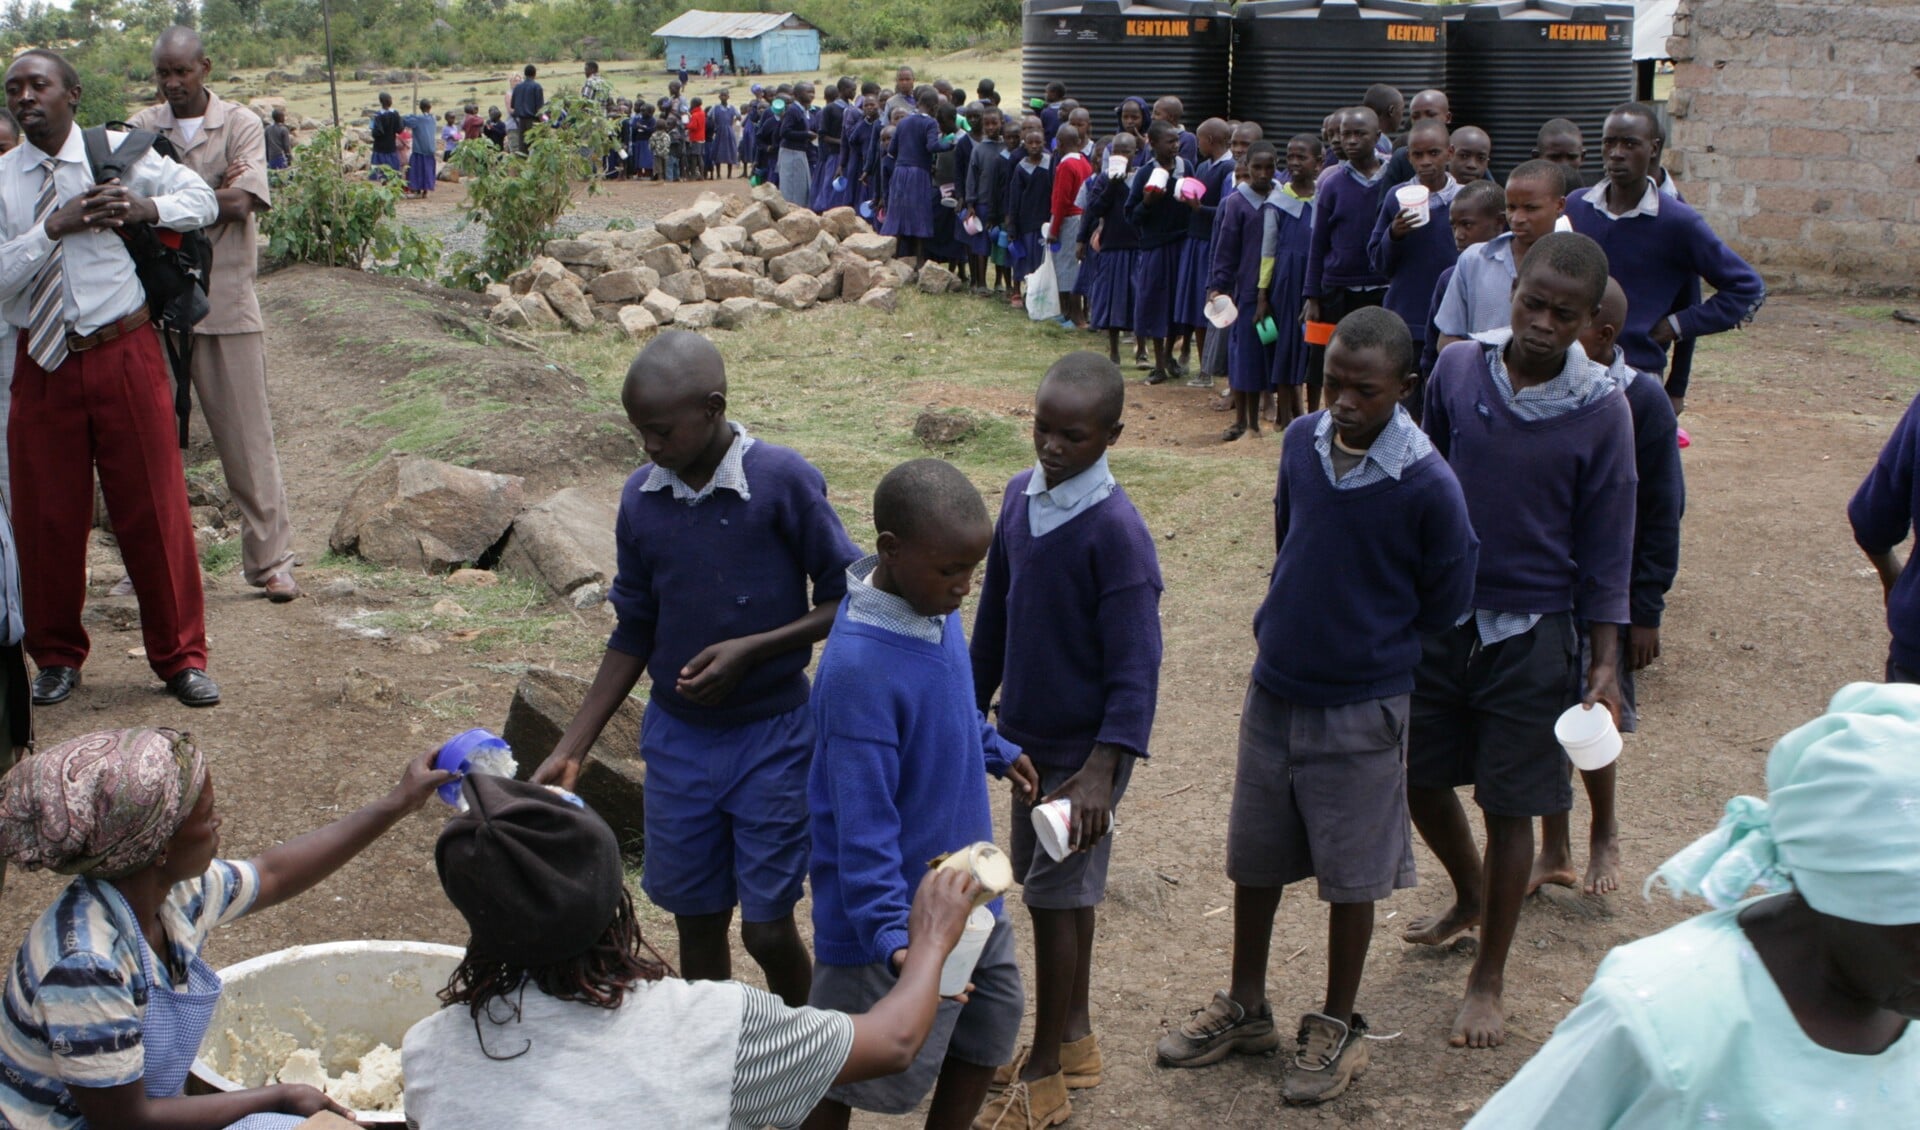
x,y
1415,199
1221,311
1053,824
1116,166
959,966
972,225
1157,181
1589,736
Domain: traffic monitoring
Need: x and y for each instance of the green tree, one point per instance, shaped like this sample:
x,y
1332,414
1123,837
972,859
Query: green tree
x,y
325,214
519,198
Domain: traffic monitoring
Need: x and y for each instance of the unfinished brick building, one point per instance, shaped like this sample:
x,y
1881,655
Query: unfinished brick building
x,y
1796,131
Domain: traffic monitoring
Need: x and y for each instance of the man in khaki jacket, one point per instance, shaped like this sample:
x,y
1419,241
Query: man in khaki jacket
x,y
226,144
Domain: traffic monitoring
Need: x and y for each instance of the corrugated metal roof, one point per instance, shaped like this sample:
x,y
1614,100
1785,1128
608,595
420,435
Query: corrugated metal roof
x,y
696,24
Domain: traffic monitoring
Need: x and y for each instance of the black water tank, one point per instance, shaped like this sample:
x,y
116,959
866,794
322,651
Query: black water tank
x,y
1296,61
1512,65
1106,50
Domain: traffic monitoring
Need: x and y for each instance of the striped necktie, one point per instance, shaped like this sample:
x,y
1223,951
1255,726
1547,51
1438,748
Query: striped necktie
x,y
47,328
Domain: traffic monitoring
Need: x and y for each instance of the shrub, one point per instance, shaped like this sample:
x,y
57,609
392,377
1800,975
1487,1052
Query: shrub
x,y
326,215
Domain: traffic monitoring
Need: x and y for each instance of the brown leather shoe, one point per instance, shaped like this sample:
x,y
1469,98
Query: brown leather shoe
x,y
281,588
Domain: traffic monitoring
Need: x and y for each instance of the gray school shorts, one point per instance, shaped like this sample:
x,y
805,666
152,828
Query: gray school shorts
x,y
1066,261
1321,792
1079,880
1629,709
1483,716
980,1032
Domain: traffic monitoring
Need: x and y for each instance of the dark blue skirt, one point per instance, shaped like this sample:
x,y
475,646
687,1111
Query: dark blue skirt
x,y
1083,278
910,203
1190,289
421,170
1156,274
1024,256
1110,294
377,163
1250,362
824,196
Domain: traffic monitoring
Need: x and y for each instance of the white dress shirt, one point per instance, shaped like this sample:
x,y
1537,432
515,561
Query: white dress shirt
x,y
100,282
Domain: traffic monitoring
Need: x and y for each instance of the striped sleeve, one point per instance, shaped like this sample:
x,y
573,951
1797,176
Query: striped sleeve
x,y
86,1010
786,1059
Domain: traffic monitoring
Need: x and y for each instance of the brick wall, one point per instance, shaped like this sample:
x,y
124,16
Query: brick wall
x,y
1796,131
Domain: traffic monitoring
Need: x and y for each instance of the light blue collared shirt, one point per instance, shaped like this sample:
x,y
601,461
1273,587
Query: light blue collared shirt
x,y
1480,293
867,604
731,474
12,626
1395,449
1050,509
1579,383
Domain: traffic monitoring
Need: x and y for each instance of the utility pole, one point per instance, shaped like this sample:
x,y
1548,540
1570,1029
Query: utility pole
x,y
333,87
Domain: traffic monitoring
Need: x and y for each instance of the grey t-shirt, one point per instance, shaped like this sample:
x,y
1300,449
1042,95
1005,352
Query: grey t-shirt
x,y
707,1054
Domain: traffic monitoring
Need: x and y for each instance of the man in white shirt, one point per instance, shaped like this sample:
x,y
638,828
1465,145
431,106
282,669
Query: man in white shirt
x,y
91,390
226,145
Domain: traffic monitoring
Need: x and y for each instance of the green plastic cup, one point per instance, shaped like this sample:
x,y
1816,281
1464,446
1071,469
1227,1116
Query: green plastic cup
x,y
1269,331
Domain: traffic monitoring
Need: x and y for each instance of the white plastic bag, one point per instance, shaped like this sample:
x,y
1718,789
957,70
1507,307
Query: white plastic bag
x,y
1043,291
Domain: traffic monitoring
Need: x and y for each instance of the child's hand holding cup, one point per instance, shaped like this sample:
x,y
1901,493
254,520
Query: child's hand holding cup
x,y
1157,182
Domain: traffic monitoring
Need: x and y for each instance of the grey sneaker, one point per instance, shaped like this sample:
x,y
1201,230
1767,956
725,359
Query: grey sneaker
x,y
1217,1031
1331,1056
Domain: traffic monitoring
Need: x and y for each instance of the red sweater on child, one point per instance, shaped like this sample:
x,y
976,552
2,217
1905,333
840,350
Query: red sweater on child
x,y
1069,173
697,125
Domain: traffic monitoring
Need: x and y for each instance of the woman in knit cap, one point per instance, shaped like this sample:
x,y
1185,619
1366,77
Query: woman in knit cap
x,y
108,1000
1789,1010
563,1015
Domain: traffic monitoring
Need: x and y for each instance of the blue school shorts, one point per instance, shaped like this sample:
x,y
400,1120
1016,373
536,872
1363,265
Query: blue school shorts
x,y
726,811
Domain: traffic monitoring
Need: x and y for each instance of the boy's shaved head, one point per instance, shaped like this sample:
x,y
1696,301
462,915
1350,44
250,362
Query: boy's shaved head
x,y
1542,171
1066,138
1557,128
926,495
1430,127
676,366
1214,129
1376,327
1251,131
1481,194
1573,256
1613,307
1095,376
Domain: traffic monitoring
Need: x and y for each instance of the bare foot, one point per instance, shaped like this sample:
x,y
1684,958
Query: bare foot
x,y
1556,871
1481,1022
1603,866
1434,930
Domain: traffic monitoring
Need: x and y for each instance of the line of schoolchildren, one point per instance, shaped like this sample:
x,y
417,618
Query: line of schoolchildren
x,y
1498,558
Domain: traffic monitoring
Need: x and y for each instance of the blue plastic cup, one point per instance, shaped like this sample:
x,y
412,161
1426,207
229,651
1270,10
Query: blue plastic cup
x,y
456,757
840,184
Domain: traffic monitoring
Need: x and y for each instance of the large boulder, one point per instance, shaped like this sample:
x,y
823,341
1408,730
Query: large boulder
x,y
830,284
696,316
874,247
856,276
896,273
769,242
755,217
682,226
839,222
415,513
799,292
722,285
578,252
805,261
629,284
769,195
711,206
727,261
537,314
537,276
666,259
825,244
639,241
882,298
612,778
571,303
718,241
566,541
637,322
937,279
739,313
799,226
687,286
661,305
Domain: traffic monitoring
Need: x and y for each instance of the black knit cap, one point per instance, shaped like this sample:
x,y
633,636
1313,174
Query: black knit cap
x,y
537,878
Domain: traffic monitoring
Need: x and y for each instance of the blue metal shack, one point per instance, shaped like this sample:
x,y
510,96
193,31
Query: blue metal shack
x,y
742,42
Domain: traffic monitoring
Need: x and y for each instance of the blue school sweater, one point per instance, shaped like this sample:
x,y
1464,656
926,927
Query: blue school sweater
x,y
1552,500
1413,262
1657,258
1882,513
1029,195
795,129
691,576
1217,175
900,757
1430,351
915,140
1344,208
1661,496
1162,220
1358,576
1106,212
1068,630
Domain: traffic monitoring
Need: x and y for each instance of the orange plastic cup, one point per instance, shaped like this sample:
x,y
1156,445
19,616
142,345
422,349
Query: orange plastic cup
x,y
1319,333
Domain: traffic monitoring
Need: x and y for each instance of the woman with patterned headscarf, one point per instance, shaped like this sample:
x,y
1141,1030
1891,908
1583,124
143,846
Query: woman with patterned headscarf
x,y
1790,1010
108,1000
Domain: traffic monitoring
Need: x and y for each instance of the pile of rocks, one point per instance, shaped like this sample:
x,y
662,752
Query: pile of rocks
x,y
725,262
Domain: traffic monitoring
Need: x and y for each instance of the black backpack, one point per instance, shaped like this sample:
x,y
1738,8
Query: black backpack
x,y
173,266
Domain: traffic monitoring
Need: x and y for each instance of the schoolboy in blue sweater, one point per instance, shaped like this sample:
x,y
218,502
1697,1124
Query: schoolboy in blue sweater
x,y
731,561
1542,443
898,779
1479,296
1884,510
1661,248
1373,550
1068,634
1340,280
1659,501
1411,255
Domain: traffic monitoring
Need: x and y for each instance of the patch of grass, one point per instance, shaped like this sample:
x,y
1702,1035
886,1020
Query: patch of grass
x,y
1874,313
220,558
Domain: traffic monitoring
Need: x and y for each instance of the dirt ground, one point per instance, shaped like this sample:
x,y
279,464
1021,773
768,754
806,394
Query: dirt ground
x,y
1774,609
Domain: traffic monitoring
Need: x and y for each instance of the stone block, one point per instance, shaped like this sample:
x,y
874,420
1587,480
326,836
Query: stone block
x,y
570,302
883,298
681,226
415,513
753,218
856,276
627,285
769,242
612,778
687,286
718,241
722,285
839,222
937,279
637,322
567,540
696,315
798,292
799,226
666,259
873,247
739,313
805,261
661,305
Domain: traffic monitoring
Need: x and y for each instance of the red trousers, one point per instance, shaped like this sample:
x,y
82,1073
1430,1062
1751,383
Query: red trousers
x,y
109,408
